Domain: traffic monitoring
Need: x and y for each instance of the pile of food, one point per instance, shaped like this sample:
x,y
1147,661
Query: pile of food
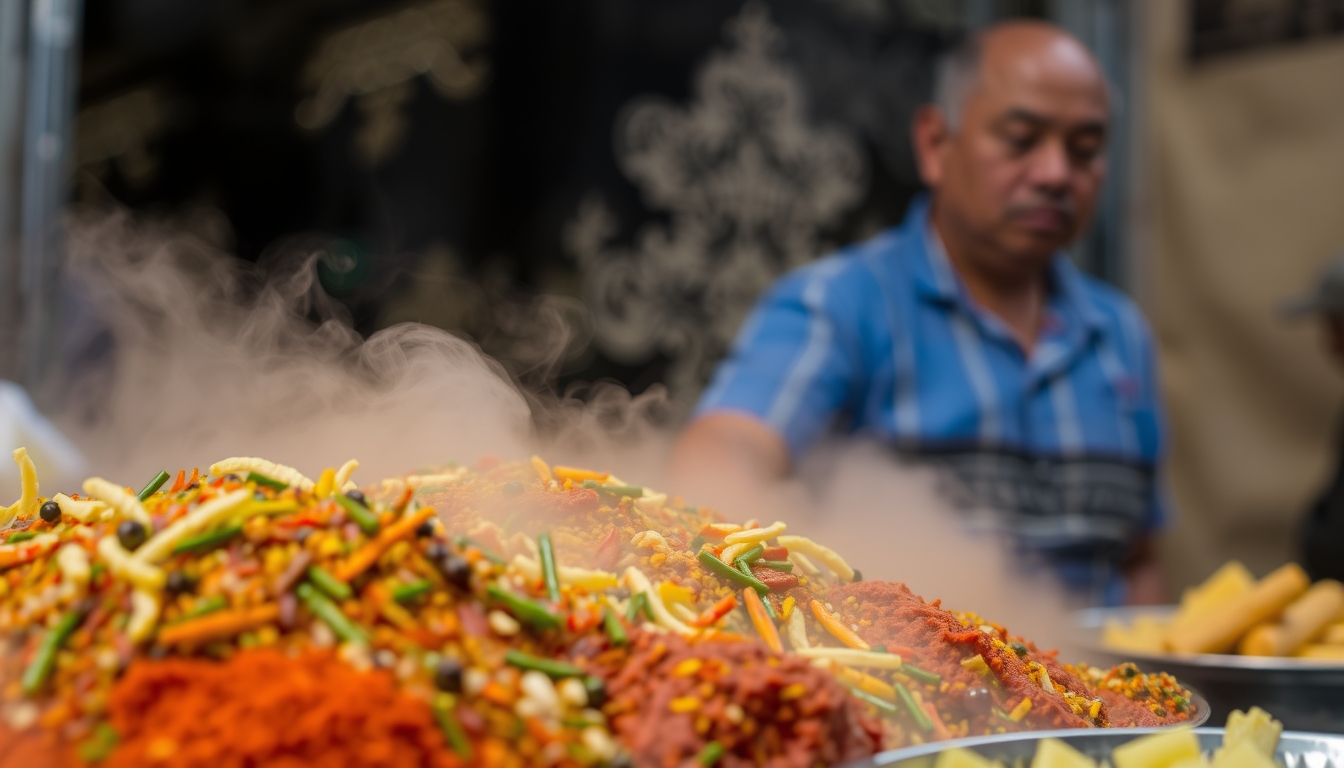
x,y
1248,742
1283,614
511,614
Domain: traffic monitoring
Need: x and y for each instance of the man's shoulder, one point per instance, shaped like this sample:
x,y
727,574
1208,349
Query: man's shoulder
x,y
852,270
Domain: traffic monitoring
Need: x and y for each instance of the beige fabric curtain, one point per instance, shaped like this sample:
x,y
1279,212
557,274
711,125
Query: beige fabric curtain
x,y
1240,203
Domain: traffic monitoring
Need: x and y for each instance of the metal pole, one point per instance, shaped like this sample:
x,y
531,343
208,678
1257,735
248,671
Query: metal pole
x,y
53,56
11,175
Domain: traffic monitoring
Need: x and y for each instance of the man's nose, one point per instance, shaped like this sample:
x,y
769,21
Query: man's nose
x,y
1050,165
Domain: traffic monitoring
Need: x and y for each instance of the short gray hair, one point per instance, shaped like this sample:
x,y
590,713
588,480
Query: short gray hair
x,y
955,75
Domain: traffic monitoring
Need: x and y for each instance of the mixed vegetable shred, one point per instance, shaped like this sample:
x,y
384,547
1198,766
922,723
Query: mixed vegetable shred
x,y
511,614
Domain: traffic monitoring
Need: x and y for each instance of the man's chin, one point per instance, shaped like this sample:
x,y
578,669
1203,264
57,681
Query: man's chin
x,y
1030,248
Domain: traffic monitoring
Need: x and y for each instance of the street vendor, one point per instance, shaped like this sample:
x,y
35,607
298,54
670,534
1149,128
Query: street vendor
x,y
964,337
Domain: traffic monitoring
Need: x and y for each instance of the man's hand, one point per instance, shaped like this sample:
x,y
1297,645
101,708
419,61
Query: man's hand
x,y
1144,576
724,454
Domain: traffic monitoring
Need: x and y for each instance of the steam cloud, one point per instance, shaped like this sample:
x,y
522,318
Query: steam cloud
x,y
207,357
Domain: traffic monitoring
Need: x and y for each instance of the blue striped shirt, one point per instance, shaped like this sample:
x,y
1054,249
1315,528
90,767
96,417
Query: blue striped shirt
x,y
881,339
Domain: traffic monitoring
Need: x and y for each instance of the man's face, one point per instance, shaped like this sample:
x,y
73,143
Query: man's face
x,y
1021,173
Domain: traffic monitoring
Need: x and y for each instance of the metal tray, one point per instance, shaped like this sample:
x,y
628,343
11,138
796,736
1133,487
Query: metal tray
x,y
1305,694
1295,750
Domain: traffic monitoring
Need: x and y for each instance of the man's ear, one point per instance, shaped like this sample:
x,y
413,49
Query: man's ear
x,y
929,132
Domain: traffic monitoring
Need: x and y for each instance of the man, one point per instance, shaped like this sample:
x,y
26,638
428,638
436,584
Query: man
x,y
1321,538
964,337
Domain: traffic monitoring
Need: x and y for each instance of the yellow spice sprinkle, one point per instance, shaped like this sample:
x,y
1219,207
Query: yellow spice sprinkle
x,y
792,691
1095,709
1020,711
687,668
683,704
787,608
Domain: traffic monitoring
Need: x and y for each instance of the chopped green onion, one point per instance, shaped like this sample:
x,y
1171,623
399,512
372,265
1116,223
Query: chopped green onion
x,y
360,514
882,704
452,730
463,542
612,624
334,587
632,491
727,571
777,565
21,536
207,540
44,661
922,675
710,755
99,746
409,593
769,609
750,556
552,668
548,572
524,610
917,712
331,615
697,543
153,486
639,606
208,605
253,477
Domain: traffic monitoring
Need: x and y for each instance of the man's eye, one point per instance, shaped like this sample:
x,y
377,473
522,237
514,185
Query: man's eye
x,y
1085,150
1020,142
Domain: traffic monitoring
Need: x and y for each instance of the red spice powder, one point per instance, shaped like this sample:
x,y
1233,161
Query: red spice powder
x,y
262,708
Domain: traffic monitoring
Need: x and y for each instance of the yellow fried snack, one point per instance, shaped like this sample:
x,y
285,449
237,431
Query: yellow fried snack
x,y
1229,582
1053,753
1304,619
963,758
1146,635
1219,630
1257,728
1160,750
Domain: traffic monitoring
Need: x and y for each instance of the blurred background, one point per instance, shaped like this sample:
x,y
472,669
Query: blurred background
x,y
597,190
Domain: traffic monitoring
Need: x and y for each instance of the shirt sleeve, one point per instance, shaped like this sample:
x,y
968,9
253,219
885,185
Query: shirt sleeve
x,y
792,364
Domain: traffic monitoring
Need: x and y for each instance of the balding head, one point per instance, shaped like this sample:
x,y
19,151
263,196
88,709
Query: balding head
x,y
1020,43
1014,147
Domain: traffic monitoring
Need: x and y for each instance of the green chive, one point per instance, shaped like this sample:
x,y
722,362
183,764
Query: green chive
x,y
548,570
922,675
334,587
612,624
153,486
360,514
409,593
208,540
552,668
253,477
710,755
21,536
452,730
917,712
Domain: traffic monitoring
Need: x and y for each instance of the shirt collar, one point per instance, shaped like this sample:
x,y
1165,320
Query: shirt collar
x,y
936,280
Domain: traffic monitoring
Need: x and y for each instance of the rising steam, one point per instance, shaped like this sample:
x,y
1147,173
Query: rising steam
x,y
199,356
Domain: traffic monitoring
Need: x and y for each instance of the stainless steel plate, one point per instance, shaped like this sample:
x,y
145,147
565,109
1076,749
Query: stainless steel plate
x,y
1305,694
1295,750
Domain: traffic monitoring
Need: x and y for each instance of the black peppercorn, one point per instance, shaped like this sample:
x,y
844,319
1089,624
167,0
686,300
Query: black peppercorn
x,y
358,496
448,675
131,534
50,511
597,691
178,582
456,570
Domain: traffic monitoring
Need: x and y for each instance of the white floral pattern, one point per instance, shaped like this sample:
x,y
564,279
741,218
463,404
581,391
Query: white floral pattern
x,y
748,187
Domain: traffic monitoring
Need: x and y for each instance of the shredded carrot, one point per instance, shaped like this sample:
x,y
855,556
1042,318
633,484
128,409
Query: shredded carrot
x,y
180,482
837,627
579,475
220,625
939,729
761,620
364,557
712,614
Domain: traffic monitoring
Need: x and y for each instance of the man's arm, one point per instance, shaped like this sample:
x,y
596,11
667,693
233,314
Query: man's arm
x,y
725,448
